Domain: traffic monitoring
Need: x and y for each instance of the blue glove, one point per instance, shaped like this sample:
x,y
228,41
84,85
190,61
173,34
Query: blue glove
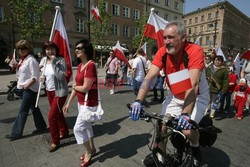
x,y
135,110
183,123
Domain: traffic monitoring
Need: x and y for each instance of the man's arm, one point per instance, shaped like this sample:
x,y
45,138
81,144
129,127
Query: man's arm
x,y
152,73
191,94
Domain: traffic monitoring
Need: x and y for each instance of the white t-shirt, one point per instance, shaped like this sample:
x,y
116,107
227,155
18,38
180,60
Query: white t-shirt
x,y
137,64
49,74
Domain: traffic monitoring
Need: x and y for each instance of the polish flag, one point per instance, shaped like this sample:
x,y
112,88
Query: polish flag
x,y
95,12
144,48
219,52
179,81
13,61
237,64
120,55
61,39
155,27
246,55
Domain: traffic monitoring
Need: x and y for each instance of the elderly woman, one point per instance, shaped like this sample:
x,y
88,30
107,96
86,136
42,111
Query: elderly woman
x,y
57,92
85,81
28,81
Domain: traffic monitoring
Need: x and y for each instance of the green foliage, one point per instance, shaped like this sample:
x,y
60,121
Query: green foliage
x,y
28,16
100,31
141,24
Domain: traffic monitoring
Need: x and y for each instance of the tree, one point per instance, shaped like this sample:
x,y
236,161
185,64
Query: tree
x,y
100,30
141,24
28,16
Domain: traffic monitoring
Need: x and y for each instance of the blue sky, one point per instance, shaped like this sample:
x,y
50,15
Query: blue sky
x,y
192,5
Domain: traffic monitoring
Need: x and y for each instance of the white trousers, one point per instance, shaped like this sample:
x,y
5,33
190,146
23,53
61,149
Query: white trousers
x,y
174,106
83,130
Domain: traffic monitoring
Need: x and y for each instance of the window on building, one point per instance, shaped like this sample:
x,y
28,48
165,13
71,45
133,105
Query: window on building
x,y
185,22
207,40
195,29
201,39
166,2
176,5
1,14
79,25
209,27
106,6
80,3
194,40
126,31
116,10
166,16
202,18
136,14
115,29
196,20
59,1
126,12
136,31
209,16
157,1
217,13
189,31
190,21
175,18
201,28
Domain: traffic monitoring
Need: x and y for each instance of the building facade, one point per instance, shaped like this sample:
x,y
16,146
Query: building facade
x,y
219,24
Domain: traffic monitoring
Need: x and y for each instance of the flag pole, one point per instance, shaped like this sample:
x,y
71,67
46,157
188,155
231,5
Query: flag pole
x,y
45,62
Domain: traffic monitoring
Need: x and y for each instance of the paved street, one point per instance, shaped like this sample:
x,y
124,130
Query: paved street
x,y
119,141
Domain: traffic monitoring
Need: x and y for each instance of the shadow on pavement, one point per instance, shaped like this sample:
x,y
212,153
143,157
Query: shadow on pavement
x,y
215,157
124,148
8,120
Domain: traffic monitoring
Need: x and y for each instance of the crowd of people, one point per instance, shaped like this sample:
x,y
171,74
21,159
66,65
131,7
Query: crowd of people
x,y
204,84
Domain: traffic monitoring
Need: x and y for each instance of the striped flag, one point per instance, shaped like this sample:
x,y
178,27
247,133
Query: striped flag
x,y
237,64
120,55
144,48
95,12
13,61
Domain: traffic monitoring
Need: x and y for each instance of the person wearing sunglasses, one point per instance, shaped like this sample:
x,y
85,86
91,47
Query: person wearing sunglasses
x,y
28,81
57,92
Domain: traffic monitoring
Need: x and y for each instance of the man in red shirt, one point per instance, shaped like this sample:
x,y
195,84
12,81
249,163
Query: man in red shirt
x,y
189,96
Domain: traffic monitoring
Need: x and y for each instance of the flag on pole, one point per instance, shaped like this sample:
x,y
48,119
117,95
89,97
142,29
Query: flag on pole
x,y
155,27
219,52
144,48
120,55
95,12
179,81
237,64
61,39
13,61
246,55
198,42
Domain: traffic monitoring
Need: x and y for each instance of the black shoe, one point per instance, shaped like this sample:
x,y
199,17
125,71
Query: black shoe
x,y
11,137
39,131
197,156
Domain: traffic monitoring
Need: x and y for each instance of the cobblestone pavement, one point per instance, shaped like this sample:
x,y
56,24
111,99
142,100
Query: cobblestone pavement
x,y
120,142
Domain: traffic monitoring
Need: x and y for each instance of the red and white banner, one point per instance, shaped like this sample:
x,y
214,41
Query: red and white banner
x,y
95,12
61,39
246,55
237,64
155,27
13,62
144,48
179,81
120,55
219,52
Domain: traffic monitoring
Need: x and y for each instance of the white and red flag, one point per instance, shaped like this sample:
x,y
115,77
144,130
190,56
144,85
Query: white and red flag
x,y
246,55
61,39
155,27
13,61
219,52
179,81
95,12
237,64
120,55
144,48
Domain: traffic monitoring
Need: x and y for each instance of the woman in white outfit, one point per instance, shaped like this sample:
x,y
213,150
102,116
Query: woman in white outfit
x,y
85,81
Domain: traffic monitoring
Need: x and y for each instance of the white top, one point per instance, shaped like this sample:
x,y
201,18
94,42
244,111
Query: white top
x,y
49,74
137,64
27,71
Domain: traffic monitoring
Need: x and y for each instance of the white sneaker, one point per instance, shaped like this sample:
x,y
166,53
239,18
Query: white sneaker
x,y
112,92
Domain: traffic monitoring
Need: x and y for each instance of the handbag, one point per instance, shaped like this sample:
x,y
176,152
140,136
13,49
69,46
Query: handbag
x,y
92,114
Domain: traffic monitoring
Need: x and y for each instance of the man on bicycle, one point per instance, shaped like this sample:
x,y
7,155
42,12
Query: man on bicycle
x,y
183,63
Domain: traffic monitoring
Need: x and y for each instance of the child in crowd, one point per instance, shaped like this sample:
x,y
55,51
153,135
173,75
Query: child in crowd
x,y
240,97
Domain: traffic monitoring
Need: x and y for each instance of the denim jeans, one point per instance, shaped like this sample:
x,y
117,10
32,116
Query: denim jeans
x,y
136,86
28,102
226,96
159,86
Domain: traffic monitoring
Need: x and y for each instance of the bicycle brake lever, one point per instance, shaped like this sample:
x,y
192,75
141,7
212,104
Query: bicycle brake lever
x,y
177,131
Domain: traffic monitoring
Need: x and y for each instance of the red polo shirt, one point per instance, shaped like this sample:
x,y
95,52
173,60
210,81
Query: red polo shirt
x,y
195,61
88,72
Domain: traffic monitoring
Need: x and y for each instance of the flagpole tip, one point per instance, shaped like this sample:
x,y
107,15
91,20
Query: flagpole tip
x,y
57,8
152,9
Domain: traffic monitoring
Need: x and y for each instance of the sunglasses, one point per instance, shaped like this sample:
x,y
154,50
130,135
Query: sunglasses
x,y
79,48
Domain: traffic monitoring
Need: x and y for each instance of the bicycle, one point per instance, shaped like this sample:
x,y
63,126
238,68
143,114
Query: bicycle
x,y
182,155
